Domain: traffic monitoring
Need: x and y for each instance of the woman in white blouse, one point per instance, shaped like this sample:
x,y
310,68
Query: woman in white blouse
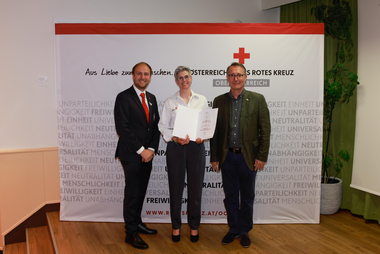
x,y
183,156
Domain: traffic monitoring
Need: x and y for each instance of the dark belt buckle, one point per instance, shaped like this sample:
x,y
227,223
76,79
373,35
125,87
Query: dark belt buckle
x,y
236,150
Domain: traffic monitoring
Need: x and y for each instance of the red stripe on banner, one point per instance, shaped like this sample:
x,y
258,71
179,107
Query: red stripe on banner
x,y
189,28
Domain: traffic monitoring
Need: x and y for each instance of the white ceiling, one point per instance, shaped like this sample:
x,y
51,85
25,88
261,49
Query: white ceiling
x,y
269,4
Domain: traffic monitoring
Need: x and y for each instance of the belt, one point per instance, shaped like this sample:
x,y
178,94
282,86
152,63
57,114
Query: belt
x,y
236,150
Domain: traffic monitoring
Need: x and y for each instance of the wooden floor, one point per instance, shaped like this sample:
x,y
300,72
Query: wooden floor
x,y
338,233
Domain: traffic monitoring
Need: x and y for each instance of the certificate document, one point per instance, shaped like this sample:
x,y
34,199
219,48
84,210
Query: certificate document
x,y
195,123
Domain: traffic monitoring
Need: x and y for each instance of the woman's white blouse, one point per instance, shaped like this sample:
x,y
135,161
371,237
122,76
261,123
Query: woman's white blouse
x,y
169,111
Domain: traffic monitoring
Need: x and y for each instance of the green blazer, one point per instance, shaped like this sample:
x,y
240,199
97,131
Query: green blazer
x,y
254,128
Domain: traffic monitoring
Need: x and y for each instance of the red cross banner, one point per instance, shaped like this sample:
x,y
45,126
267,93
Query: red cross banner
x,y
241,56
284,62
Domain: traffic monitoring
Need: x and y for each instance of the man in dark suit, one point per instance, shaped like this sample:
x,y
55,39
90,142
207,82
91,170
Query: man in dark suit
x,y
239,148
136,119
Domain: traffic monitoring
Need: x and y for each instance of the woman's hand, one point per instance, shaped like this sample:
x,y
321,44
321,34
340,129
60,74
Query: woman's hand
x,y
199,141
181,141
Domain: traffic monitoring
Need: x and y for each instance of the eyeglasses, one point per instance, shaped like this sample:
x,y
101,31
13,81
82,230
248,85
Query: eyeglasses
x,y
184,78
236,75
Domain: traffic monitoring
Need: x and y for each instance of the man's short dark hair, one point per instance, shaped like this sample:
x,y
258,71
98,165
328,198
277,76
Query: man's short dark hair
x,y
134,67
237,64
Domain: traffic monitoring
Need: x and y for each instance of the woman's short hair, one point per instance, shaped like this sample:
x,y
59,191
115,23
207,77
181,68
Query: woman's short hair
x,y
181,69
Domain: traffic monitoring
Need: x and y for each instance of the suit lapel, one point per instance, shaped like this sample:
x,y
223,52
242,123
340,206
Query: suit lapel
x,y
245,104
227,105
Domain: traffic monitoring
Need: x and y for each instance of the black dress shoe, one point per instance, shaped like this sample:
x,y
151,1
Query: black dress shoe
x,y
229,238
136,241
194,238
245,241
176,238
142,229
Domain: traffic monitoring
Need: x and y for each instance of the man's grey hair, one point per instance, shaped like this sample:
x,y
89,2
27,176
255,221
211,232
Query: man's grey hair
x,y
181,69
236,64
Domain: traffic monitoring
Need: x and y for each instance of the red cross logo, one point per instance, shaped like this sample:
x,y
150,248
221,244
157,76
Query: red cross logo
x,y
241,55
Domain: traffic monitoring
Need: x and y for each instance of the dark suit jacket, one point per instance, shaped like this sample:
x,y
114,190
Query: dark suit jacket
x,y
132,126
254,128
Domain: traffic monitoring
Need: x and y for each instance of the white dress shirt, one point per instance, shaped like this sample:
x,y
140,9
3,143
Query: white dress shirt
x,y
169,111
138,92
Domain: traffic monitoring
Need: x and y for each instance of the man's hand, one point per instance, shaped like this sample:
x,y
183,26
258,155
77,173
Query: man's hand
x,y
215,166
199,141
147,155
259,165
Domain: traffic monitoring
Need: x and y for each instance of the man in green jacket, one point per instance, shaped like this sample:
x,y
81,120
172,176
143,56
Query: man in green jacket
x,y
239,148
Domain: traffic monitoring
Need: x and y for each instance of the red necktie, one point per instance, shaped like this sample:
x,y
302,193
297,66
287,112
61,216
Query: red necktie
x,y
145,106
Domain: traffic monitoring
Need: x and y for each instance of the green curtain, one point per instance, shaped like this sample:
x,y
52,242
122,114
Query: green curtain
x,y
344,118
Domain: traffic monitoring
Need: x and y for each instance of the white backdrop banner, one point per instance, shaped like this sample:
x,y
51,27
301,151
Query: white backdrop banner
x,y
93,64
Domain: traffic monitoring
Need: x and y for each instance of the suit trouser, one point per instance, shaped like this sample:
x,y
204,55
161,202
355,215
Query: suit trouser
x,y
239,189
180,159
137,176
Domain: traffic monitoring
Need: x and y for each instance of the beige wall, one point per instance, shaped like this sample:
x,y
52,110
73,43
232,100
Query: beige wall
x,y
269,4
29,179
366,172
